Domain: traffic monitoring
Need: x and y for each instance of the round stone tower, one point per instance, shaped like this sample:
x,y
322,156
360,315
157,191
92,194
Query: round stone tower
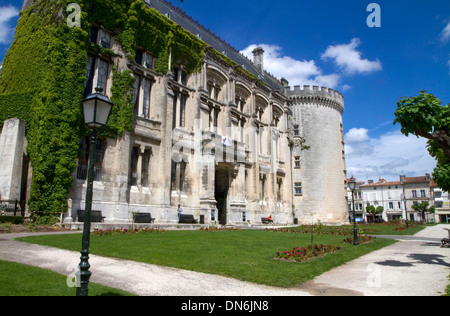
x,y
319,174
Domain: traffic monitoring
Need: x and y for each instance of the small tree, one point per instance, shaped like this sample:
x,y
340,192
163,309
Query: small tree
x,y
423,207
425,116
374,211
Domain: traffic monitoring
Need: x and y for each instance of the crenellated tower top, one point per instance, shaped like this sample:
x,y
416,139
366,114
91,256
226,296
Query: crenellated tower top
x,y
318,95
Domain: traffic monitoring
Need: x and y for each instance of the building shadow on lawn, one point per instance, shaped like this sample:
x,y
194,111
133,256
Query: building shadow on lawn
x,y
418,258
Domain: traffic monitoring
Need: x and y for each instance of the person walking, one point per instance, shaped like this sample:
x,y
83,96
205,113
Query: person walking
x,y
180,210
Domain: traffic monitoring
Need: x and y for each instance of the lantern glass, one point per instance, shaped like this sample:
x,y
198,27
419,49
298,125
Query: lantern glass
x,y
352,184
96,110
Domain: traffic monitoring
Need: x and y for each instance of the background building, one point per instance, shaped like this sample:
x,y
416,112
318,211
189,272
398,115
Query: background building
x,y
398,197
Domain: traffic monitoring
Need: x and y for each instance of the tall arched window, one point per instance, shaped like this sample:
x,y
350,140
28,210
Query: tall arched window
x,y
83,159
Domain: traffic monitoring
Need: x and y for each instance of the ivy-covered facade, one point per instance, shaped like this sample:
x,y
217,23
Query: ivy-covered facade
x,y
194,123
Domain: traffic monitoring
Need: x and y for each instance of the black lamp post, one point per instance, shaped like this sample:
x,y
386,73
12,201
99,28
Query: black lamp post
x,y
96,111
352,186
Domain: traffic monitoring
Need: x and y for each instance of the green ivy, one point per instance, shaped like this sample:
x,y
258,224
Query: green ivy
x,y
42,80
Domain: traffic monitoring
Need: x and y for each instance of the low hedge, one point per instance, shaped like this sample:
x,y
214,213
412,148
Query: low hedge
x,y
11,219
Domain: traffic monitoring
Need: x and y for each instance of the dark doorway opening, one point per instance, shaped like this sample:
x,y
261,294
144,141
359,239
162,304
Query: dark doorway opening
x,y
221,194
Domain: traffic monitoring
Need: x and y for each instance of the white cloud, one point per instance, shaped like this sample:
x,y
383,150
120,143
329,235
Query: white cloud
x,y
307,72
6,32
386,156
297,72
356,135
349,59
445,35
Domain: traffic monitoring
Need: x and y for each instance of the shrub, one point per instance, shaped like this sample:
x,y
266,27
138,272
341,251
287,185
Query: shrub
x,y
11,219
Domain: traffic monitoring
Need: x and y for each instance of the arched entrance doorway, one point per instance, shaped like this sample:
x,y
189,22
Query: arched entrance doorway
x,y
222,185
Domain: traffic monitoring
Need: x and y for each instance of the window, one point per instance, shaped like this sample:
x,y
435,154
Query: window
x,y
105,40
240,103
213,90
296,131
182,110
391,205
414,193
94,34
215,118
148,61
178,176
83,159
298,188
297,162
183,78
133,166
179,75
138,57
97,71
175,74
146,102
145,59
145,168
102,75
263,187
173,177
179,109
182,175
142,87
279,186
100,37
136,94
423,193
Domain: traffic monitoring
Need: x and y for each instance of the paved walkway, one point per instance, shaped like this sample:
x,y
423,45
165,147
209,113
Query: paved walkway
x,y
415,266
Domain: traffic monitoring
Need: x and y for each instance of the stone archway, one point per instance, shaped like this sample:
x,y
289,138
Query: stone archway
x,y
222,186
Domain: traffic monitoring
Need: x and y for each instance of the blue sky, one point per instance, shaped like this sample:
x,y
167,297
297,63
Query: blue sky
x,y
329,43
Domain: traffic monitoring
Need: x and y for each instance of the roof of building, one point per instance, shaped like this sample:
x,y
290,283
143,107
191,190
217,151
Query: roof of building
x,y
193,26
408,180
382,183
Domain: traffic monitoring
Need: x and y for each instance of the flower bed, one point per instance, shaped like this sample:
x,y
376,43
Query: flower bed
x,y
322,230
121,231
301,254
215,228
362,239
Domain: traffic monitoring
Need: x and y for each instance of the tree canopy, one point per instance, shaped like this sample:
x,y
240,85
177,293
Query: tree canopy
x,y
425,116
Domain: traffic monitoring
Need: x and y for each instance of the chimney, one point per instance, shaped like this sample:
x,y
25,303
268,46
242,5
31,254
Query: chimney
x,y
258,59
284,82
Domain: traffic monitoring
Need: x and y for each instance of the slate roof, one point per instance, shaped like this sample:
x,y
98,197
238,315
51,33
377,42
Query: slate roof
x,y
210,38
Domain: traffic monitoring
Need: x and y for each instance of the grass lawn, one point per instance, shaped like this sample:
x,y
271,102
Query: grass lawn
x,y
245,254
23,280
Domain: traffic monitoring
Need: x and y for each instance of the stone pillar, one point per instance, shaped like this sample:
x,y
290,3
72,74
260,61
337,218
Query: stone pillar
x,y
12,141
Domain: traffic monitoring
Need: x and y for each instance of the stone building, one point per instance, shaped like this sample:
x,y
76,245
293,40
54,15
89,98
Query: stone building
x,y
398,197
224,142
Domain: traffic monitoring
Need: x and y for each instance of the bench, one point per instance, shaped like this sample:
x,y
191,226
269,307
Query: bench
x,y
266,220
143,218
184,218
96,216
